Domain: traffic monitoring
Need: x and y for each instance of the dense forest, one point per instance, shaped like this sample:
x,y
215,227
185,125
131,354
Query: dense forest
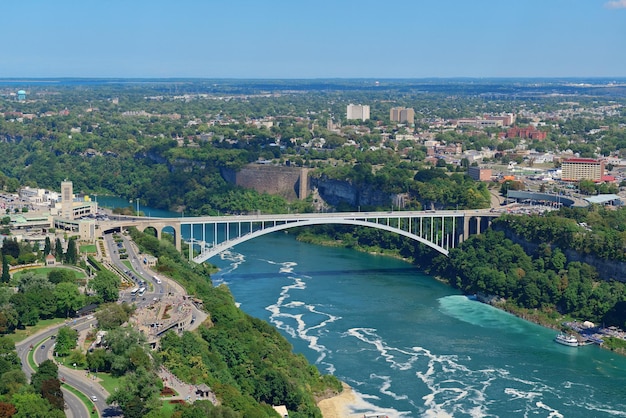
x,y
248,364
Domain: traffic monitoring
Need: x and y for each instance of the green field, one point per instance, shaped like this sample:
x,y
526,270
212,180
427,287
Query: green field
x,y
90,249
43,271
108,382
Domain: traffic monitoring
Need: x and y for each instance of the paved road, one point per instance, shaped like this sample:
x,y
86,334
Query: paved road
x,y
76,408
78,379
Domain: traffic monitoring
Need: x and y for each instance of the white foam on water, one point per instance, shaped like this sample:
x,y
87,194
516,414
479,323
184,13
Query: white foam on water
x,y
362,407
235,259
453,389
553,412
288,315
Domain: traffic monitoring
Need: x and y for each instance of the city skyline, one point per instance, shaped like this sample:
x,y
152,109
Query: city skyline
x,y
324,39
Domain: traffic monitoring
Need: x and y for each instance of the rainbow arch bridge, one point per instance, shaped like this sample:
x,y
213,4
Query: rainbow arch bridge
x,y
440,230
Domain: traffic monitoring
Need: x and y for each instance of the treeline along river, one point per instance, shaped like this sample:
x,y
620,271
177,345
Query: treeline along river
x,y
411,346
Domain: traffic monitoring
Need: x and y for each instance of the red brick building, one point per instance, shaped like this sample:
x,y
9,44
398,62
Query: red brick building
x,y
528,133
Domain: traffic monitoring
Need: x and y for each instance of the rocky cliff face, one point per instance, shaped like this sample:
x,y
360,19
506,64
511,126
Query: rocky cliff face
x,y
607,269
335,192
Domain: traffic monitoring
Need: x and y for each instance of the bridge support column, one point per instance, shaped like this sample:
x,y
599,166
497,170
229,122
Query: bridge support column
x,y
178,237
478,224
466,228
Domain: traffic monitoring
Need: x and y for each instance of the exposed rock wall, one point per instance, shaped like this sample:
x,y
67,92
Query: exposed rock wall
x,y
277,180
335,192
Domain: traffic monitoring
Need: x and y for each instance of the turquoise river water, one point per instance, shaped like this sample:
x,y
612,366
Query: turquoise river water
x,y
411,346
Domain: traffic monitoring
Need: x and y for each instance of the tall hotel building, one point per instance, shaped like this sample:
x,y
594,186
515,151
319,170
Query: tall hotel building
x,y
402,115
358,112
575,169
67,200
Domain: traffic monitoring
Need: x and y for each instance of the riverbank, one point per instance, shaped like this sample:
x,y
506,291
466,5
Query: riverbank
x,y
548,318
338,406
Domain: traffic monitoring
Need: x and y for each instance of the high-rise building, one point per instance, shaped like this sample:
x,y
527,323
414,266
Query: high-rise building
x,y
575,169
358,112
402,115
67,199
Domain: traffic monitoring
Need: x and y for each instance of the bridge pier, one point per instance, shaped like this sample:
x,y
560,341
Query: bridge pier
x,y
466,228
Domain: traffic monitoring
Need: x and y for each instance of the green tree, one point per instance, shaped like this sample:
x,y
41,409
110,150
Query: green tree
x,y
47,370
12,382
6,276
58,250
106,285
68,298
59,275
65,341
31,405
10,247
98,360
587,187
51,391
112,315
47,248
138,393
71,255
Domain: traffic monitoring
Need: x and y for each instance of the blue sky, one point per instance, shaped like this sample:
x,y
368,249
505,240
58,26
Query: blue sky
x,y
313,39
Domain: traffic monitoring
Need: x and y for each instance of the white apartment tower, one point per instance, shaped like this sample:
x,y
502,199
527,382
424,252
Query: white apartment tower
x,y
358,112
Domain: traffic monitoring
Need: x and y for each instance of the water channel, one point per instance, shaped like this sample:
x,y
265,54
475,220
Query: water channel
x,y
411,346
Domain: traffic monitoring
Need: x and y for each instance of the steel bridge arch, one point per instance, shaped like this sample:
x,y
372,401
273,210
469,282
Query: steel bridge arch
x,y
214,250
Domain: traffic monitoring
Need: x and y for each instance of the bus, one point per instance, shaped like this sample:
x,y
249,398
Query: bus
x,y
156,279
134,291
142,291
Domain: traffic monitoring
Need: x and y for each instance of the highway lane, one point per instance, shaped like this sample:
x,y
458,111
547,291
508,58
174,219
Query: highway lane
x,y
139,272
76,408
78,379
75,405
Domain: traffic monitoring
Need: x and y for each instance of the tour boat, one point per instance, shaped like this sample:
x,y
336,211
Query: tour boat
x,y
567,339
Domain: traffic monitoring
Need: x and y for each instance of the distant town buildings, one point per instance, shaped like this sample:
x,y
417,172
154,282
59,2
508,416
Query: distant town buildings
x,y
402,115
576,169
361,112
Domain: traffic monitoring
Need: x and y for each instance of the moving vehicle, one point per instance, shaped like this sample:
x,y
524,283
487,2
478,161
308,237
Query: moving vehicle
x,y
567,339
142,291
134,291
156,279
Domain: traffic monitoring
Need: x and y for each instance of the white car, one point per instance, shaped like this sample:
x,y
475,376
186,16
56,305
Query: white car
x,y
94,398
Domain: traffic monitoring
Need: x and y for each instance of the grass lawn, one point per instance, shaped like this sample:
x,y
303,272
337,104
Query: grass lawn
x,y
43,271
168,408
108,382
91,248
21,334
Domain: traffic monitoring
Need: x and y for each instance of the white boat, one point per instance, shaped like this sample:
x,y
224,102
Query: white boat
x,y
567,339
